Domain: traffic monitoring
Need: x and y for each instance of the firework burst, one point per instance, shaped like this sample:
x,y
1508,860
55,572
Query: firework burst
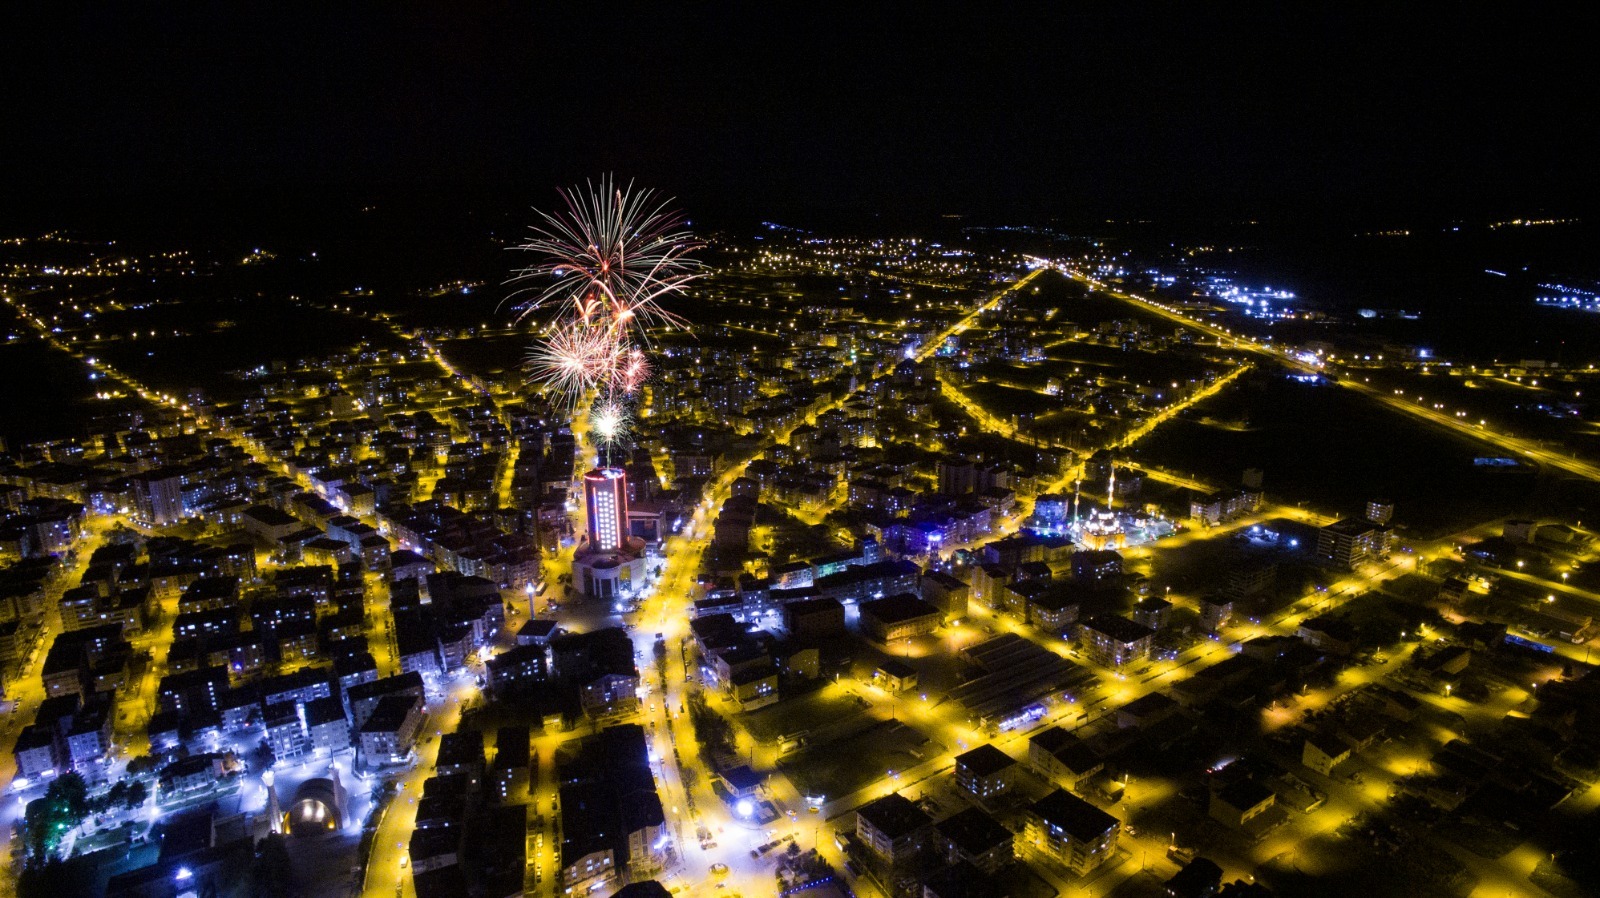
x,y
609,420
604,265
574,360
633,369
614,252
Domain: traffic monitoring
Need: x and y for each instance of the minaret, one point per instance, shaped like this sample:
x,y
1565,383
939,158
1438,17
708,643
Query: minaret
x,y
340,797
274,810
1077,489
1111,487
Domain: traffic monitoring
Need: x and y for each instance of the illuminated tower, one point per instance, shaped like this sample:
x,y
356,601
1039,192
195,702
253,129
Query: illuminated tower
x,y
605,496
341,798
274,809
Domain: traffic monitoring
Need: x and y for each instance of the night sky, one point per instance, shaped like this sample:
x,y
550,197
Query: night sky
x,y
1161,110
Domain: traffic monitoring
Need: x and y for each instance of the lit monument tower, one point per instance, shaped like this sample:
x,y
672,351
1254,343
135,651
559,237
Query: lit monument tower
x,y
605,497
610,562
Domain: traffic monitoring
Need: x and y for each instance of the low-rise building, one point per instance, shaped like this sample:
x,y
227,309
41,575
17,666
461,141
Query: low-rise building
x,y
1062,757
1146,710
1350,543
1153,612
1200,878
1240,802
986,772
285,731
893,827
862,582
900,616
1215,611
611,816
1329,634
434,848
461,752
1065,829
390,731
362,698
518,669
976,838
813,618
1096,565
327,728
38,752
1114,642
1323,753
755,687
895,676
946,593
512,770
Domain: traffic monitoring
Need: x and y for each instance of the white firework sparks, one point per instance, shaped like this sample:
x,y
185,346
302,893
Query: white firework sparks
x,y
574,360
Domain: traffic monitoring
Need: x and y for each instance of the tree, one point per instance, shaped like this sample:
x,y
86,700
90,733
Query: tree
x,y
262,758
73,792
137,793
142,764
50,818
56,878
36,819
709,727
116,796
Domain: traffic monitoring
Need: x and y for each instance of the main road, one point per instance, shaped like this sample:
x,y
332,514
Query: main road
x,y
386,874
1506,442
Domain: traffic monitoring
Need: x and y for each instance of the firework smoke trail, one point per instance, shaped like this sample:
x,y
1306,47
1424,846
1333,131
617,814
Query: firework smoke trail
x,y
605,263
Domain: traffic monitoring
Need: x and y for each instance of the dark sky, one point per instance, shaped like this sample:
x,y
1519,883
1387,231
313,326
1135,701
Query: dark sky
x,y
1118,110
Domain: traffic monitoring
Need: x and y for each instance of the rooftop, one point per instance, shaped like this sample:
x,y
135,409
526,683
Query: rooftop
x,y
1244,794
898,608
974,832
1118,629
894,815
985,760
1080,820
